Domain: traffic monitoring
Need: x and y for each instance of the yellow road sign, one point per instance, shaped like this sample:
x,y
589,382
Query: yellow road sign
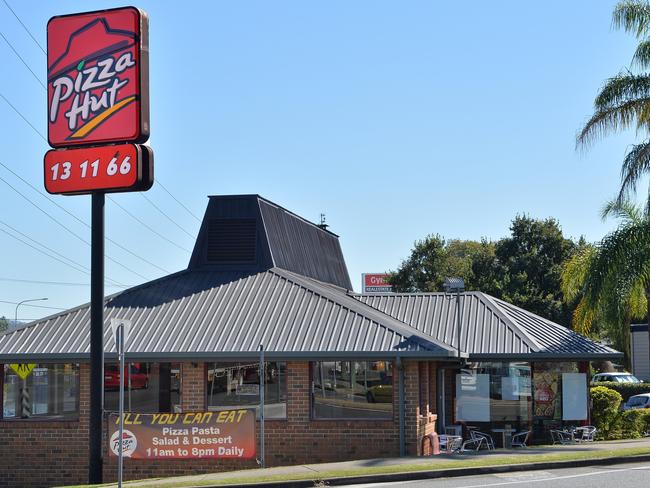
x,y
23,370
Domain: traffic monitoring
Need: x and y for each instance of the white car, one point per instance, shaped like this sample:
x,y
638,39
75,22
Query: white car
x,y
637,401
615,377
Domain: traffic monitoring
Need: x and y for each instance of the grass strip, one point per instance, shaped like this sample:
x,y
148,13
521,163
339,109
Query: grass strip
x,y
435,465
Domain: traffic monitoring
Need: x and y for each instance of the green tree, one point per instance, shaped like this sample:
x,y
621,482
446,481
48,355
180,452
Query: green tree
x,y
433,259
624,100
529,267
4,324
611,280
524,268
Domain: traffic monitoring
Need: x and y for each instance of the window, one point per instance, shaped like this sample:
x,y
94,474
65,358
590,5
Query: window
x,y
148,387
49,391
352,389
236,385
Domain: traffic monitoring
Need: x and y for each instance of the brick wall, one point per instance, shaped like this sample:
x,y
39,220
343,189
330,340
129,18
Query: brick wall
x,y
40,453
43,453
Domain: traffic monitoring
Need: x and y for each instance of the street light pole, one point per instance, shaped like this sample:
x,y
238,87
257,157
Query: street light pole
x,y
25,301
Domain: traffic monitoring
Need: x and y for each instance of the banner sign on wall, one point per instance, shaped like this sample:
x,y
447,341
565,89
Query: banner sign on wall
x,y
227,434
97,77
375,283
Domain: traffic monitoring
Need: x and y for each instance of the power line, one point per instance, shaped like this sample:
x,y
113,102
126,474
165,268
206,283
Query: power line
x,y
165,215
70,231
30,305
23,117
61,257
23,61
79,220
25,27
178,201
146,226
54,283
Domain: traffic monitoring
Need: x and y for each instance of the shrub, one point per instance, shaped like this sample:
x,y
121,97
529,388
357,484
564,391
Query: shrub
x,y
625,389
632,424
606,403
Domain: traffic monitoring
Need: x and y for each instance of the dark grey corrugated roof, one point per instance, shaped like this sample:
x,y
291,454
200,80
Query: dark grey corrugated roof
x,y
490,327
202,313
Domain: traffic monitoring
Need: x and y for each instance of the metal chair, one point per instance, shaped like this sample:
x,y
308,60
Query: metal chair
x,y
586,433
450,443
520,439
489,442
562,437
472,444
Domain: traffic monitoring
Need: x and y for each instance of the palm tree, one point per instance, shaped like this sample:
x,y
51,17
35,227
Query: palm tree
x,y
624,100
612,278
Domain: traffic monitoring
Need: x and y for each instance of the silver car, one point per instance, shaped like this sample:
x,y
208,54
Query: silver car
x,y
637,401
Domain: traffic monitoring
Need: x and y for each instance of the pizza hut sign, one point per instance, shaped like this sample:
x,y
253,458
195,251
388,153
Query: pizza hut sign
x,y
97,77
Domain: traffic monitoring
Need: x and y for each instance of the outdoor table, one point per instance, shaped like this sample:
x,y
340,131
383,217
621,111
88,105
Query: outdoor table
x,y
503,433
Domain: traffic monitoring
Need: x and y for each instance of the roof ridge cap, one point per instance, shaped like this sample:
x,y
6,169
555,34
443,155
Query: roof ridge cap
x,y
331,295
511,321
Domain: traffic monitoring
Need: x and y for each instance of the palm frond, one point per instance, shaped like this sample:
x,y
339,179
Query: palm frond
x,y
641,56
622,88
624,210
612,119
635,166
574,273
633,16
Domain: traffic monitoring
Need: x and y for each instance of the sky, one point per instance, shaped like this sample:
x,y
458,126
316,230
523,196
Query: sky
x,y
394,119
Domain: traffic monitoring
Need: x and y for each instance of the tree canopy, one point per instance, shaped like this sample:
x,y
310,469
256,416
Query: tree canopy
x,y
523,268
4,324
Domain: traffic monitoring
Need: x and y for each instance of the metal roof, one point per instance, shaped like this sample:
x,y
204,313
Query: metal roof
x,y
209,314
490,327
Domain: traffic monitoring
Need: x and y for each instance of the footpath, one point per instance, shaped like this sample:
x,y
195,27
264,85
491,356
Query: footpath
x,y
412,468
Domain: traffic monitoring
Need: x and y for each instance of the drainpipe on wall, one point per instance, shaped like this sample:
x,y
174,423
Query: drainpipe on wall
x,y
402,436
440,404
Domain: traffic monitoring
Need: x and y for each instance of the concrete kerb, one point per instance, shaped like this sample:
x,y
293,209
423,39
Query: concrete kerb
x,y
439,473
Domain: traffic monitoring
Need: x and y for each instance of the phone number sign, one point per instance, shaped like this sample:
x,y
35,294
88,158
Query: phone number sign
x,y
122,167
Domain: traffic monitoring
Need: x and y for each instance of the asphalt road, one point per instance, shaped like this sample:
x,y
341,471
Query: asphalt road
x,y
619,476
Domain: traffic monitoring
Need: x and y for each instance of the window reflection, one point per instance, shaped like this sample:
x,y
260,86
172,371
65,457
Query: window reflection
x,y
352,389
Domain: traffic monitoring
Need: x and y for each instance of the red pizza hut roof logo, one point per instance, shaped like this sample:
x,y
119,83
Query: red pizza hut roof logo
x,y
129,443
97,78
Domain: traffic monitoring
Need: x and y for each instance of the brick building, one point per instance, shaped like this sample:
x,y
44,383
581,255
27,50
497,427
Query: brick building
x,y
348,376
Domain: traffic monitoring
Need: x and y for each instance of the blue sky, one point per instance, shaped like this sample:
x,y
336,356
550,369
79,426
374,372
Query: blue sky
x,y
395,119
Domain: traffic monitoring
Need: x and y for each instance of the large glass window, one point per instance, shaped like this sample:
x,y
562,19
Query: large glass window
x,y
352,389
233,385
48,391
148,387
495,395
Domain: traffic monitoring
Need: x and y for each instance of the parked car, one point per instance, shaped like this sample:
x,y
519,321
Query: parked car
x,y
615,377
136,373
637,401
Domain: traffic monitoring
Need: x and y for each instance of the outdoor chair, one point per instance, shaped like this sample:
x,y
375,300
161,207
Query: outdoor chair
x,y
586,433
450,443
520,439
489,442
562,437
472,444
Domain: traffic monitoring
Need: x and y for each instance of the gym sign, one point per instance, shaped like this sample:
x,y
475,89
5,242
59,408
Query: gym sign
x,y
97,86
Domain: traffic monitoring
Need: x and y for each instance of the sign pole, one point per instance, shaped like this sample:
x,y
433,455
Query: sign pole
x,y
95,463
120,350
262,381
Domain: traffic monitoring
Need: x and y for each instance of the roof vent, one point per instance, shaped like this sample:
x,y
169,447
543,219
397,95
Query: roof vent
x,y
231,240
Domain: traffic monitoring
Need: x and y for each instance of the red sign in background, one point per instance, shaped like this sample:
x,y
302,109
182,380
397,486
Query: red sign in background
x,y
376,282
227,434
98,78
109,168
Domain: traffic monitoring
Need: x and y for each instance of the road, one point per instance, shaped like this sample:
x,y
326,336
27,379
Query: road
x,y
619,476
